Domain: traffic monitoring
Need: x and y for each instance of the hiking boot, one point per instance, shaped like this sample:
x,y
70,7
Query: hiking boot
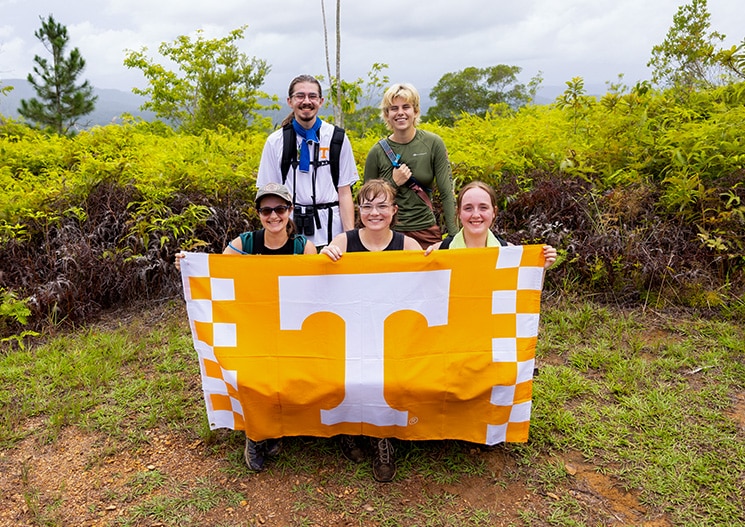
x,y
254,454
272,447
383,465
351,449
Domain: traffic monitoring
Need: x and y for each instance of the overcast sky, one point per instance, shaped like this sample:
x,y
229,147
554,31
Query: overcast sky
x,y
420,40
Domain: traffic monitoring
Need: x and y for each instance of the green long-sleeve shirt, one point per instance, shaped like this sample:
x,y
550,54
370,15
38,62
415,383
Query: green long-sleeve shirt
x,y
427,158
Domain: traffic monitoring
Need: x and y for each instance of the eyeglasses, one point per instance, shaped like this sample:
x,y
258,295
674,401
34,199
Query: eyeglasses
x,y
313,97
367,208
279,209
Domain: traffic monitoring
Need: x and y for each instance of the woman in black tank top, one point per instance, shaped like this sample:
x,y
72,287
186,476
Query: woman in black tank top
x,y
377,208
376,203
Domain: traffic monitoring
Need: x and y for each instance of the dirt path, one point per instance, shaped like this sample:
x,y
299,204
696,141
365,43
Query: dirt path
x,y
84,480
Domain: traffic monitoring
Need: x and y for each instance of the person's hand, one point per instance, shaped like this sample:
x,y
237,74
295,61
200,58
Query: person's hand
x,y
177,260
401,175
333,252
549,253
429,250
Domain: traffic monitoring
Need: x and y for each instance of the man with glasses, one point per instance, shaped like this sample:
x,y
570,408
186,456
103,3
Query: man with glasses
x,y
323,203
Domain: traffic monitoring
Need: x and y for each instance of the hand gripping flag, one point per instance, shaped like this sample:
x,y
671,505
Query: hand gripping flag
x,y
387,344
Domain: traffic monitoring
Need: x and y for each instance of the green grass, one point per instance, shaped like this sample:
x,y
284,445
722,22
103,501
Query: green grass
x,y
651,412
648,400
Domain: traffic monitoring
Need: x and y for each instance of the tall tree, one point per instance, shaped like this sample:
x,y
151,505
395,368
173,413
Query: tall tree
x,y
689,58
474,90
60,102
338,58
337,87
214,84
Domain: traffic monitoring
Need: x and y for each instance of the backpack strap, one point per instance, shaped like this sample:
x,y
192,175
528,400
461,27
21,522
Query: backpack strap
x,y
337,140
412,183
394,158
299,244
289,152
449,239
247,242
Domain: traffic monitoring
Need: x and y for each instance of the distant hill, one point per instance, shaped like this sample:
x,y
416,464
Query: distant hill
x,y
111,104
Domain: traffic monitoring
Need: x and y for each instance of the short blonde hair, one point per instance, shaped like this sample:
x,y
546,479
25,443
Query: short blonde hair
x,y
408,93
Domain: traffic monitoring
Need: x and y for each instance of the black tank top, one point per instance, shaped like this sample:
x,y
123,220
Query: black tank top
x,y
354,244
258,246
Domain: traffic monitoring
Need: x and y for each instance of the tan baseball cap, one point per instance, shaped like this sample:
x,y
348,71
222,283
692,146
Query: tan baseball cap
x,y
274,189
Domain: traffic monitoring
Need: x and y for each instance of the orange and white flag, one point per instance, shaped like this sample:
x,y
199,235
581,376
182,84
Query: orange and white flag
x,y
386,344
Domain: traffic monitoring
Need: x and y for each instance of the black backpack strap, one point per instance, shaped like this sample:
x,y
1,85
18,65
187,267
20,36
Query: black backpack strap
x,y
289,150
337,140
449,239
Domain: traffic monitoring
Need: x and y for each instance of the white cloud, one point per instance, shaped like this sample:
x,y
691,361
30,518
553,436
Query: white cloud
x,y
420,40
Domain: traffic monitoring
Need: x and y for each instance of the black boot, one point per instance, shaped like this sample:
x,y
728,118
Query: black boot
x,y
384,465
351,448
254,454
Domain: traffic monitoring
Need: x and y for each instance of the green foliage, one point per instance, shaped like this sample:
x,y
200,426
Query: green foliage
x,y
14,312
60,102
215,85
646,173
94,220
576,100
641,192
474,90
733,59
366,118
534,138
688,58
12,309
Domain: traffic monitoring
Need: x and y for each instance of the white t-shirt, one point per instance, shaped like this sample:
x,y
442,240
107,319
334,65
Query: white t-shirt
x,y
301,183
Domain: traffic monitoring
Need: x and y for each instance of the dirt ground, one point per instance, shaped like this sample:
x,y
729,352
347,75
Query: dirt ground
x,y
80,480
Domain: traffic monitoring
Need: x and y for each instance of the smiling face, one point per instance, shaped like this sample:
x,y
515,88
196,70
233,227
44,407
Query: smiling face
x,y
377,205
476,211
400,107
377,214
275,222
305,101
401,115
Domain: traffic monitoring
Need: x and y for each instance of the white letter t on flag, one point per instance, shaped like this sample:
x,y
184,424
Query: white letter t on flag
x,y
364,301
